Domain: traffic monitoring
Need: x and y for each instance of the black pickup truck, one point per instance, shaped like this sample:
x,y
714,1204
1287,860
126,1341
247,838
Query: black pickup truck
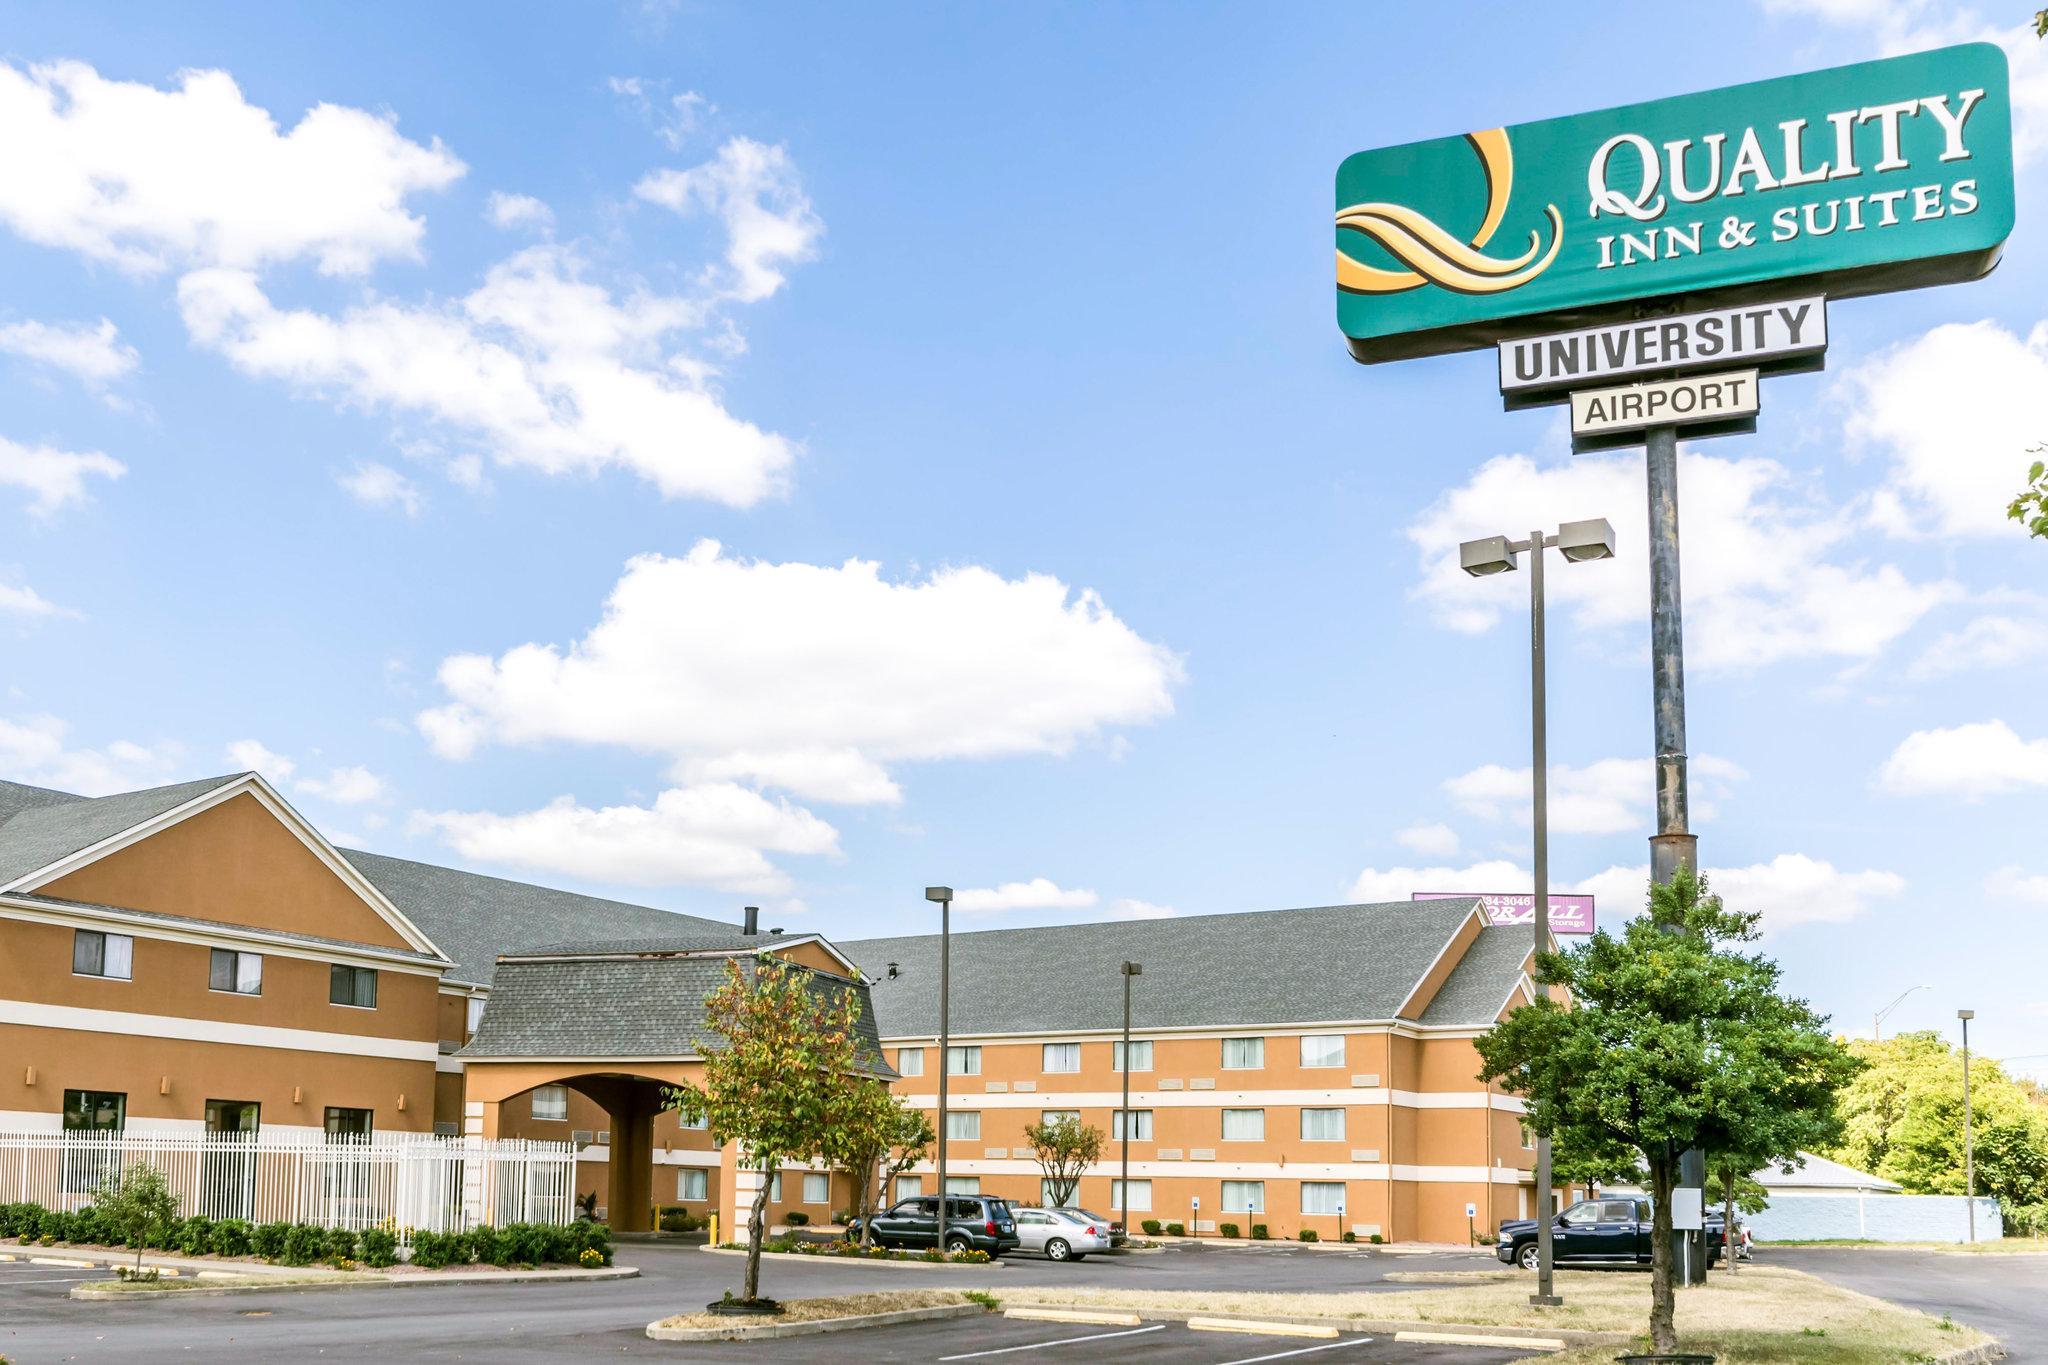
x,y
1604,1231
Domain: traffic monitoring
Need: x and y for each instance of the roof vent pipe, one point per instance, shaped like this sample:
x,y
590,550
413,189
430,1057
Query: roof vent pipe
x,y
752,924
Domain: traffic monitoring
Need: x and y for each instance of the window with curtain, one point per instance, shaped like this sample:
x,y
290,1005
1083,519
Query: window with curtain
x,y
234,972
1141,1055
355,986
96,954
1244,1196
1141,1196
963,1125
1244,1054
910,1061
1322,1196
1049,1117
817,1188
692,1184
1047,1190
551,1103
1322,1125
1062,1057
1141,1125
1244,1125
963,1061
1322,1049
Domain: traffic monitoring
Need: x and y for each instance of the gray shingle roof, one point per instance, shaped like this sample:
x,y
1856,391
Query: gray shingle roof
x,y
39,831
730,941
160,917
645,1007
1325,964
1478,986
473,918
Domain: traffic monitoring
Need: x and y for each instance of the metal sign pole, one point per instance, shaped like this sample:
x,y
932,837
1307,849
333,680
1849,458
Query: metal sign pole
x,y
1673,846
1539,771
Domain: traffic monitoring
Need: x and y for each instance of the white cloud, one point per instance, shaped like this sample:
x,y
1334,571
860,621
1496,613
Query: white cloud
x,y
753,189
147,178
32,750
1130,908
716,834
1431,841
1399,883
379,485
18,599
1761,580
1610,796
1971,761
347,786
2018,884
551,371
1985,643
94,356
1954,413
518,211
677,120
251,756
1040,893
55,478
814,678
1790,889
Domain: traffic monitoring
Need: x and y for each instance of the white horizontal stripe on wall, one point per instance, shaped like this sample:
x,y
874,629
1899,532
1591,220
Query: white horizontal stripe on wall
x,y
442,1062
1230,1099
1255,1170
706,1160
213,1031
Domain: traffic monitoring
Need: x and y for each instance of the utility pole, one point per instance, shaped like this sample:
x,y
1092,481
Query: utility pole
x,y
1969,1152
944,896
1129,970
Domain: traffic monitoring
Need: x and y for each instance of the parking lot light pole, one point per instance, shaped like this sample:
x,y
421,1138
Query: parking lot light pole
x,y
1129,970
1969,1154
944,896
1877,1020
1577,541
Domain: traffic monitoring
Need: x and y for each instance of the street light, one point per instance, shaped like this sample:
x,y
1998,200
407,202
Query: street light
x,y
944,896
1969,1155
1578,541
1128,970
1877,1021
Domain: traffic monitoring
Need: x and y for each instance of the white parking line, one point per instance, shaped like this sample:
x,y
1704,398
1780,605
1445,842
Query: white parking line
x,y
1064,1341
1305,1350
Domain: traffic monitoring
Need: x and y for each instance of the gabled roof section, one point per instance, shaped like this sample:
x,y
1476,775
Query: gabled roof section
x,y
1325,964
476,918
1485,979
725,944
44,841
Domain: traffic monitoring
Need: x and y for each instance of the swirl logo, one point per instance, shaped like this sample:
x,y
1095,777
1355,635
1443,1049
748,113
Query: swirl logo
x,y
1434,256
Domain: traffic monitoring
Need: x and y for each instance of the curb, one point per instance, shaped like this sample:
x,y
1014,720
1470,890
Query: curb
x,y
101,1291
1973,1355
1476,1339
992,1263
778,1330
1379,1326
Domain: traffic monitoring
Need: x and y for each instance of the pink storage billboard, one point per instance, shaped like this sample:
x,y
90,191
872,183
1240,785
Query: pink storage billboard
x,y
1568,914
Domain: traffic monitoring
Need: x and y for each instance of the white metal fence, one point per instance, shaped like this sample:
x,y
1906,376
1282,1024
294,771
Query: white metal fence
x,y
405,1181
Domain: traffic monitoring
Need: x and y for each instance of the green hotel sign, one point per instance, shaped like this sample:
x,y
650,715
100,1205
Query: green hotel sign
x,y
1884,175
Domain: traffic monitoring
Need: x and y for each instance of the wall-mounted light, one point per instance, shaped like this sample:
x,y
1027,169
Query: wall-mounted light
x,y
163,1085
401,1104
298,1095
30,1078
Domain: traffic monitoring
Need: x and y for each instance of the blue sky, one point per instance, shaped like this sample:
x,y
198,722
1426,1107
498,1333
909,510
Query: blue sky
x,y
948,405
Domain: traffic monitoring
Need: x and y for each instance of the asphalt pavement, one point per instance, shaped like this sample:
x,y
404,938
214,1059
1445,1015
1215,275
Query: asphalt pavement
x,y
2005,1295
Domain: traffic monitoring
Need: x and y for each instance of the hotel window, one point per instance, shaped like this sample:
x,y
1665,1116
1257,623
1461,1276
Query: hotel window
x,y
1141,1124
691,1184
1322,1125
963,1061
473,1015
909,1186
1244,1125
962,1184
1048,1195
97,954
1244,1196
349,1124
1322,1196
551,1103
1528,1138
1049,1117
355,986
92,1111
1322,1049
775,1188
1062,1056
817,1188
963,1125
1141,1196
1244,1054
1141,1056
235,973
688,1124
910,1061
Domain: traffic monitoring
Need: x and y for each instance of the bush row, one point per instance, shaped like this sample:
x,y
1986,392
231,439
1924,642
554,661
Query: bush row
x,y
855,1251
2025,1220
307,1243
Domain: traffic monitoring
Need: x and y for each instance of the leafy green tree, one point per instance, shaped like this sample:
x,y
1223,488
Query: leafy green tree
x,y
1673,1038
141,1206
1903,1119
778,1081
1064,1149
875,1138
2031,506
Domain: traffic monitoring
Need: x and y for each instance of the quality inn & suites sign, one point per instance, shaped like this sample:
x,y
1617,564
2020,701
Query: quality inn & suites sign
x,y
1884,175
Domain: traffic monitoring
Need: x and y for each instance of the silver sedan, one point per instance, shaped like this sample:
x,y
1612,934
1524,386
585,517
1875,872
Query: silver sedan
x,y
1060,1234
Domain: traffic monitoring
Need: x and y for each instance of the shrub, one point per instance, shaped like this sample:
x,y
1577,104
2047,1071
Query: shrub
x,y
267,1240
229,1237
1227,1229
1350,1236
337,1244
590,1259
1259,1233
380,1247
796,1218
302,1245
17,1219
432,1250
675,1220
488,1246
89,1224
595,1237
1376,1239
527,1243
843,1216
2025,1220
1310,1235
1151,1226
1176,1230
192,1236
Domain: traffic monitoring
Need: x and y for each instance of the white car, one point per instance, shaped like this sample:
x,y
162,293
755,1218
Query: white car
x,y
1060,1234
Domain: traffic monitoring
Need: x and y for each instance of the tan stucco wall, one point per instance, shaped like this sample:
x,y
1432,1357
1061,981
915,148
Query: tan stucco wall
x,y
197,1072
233,862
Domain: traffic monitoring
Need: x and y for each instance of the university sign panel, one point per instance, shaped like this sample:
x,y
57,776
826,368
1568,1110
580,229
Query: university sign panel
x,y
1884,175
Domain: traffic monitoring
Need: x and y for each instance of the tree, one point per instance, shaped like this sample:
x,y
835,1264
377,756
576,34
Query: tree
x,y
1673,1038
779,1080
2031,506
141,1206
876,1138
1065,1149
